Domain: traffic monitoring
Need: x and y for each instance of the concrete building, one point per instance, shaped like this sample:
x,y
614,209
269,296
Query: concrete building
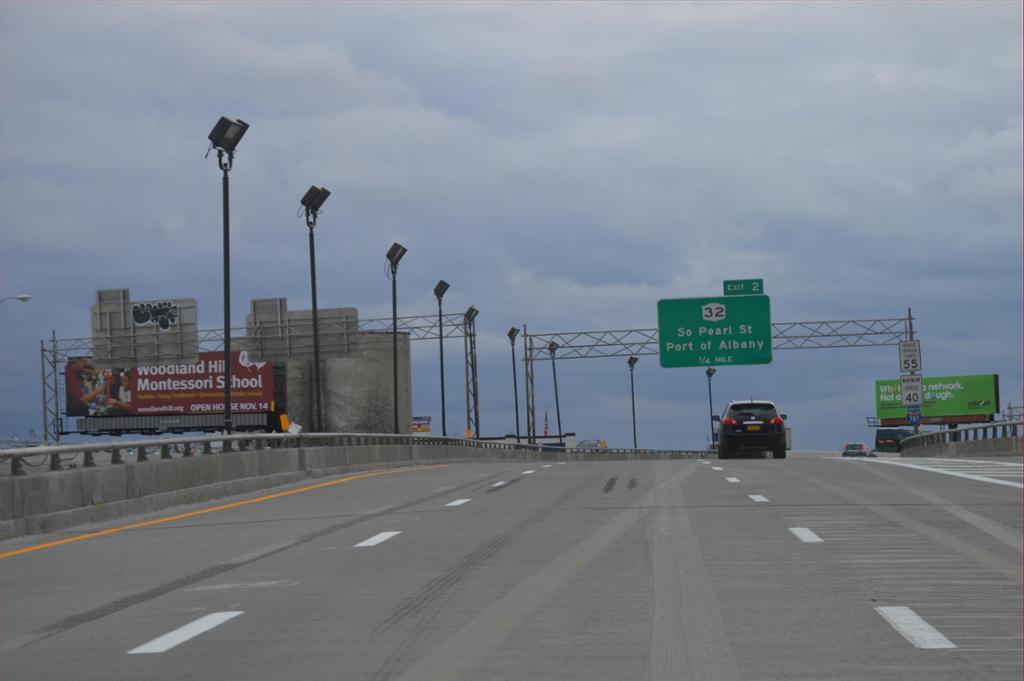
x,y
356,367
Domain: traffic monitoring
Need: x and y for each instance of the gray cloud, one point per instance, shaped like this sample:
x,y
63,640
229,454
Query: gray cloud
x,y
563,165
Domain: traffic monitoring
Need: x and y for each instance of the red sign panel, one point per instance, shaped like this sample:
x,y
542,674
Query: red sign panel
x,y
169,388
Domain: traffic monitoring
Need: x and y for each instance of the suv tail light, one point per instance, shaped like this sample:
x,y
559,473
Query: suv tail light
x,y
728,421
777,420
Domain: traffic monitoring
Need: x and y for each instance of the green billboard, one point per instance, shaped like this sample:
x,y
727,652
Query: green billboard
x,y
974,395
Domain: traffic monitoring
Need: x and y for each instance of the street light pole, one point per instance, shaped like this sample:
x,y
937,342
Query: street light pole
x,y
512,333
22,298
709,372
439,291
394,255
313,199
224,138
633,359
552,347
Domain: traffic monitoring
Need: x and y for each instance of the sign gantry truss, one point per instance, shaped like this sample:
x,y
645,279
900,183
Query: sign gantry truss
x,y
849,333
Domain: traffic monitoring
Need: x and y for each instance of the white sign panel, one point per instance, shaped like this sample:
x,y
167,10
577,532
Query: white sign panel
x,y
910,356
910,390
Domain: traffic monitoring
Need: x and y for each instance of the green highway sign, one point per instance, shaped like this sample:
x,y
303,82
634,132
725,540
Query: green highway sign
x,y
698,332
743,287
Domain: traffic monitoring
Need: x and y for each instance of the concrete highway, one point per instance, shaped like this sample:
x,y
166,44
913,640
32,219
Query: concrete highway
x,y
813,567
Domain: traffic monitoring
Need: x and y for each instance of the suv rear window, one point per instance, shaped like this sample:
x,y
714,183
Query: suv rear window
x,y
744,411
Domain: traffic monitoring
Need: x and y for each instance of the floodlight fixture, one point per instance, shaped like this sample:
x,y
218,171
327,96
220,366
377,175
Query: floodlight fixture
x,y
633,359
471,314
311,201
227,133
224,137
709,372
512,333
314,198
552,347
440,289
395,254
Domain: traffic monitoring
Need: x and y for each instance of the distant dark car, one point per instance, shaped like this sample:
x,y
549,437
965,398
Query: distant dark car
x,y
752,426
857,449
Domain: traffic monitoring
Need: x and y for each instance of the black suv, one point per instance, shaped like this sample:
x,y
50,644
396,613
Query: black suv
x,y
753,425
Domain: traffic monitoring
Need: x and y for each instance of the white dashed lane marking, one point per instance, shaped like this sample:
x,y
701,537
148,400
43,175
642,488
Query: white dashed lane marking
x,y
377,539
759,498
181,634
805,535
529,472
458,502
716,468
911,627
732,479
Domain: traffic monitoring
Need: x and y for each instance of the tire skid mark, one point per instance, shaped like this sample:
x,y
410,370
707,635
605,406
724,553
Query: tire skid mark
x,y
512,481
430,602
632,483
610,485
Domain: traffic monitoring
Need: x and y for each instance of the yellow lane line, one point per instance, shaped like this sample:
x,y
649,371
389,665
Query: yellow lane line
x,y
212,509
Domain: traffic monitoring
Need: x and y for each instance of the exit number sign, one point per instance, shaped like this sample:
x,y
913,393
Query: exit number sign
x,y
743,287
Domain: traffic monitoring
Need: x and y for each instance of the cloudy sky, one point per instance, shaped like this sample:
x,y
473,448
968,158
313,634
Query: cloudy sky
x,y
562,165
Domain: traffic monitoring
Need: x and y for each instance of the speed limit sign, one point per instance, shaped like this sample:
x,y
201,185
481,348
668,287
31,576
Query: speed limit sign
x,y
910,356
910,390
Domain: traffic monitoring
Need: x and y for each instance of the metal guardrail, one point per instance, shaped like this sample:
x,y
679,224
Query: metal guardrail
x,y
56,457
988,431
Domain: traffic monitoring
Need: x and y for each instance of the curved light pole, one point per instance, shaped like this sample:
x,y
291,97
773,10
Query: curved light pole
x,y
512,333
709,372
633,359
394,255
22,298
552,348
224,137
311,201
439,291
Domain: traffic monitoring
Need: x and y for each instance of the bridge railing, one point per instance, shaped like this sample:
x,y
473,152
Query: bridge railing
x,y
988,431
107,452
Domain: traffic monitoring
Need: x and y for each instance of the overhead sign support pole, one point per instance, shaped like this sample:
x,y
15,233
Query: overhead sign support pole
x,y
531,415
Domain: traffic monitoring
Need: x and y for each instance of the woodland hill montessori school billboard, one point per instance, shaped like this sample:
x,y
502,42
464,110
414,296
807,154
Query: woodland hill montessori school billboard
x,y
191,388
952,399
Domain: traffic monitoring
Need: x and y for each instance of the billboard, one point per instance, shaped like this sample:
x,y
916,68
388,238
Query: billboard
x,y
127,333
421,424
189,388
942,396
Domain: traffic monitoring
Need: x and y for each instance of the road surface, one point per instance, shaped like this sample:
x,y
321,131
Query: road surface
x,y
814,567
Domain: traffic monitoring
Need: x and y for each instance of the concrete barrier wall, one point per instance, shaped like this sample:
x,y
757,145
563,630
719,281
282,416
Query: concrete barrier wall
x,y
1008,446
53,501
